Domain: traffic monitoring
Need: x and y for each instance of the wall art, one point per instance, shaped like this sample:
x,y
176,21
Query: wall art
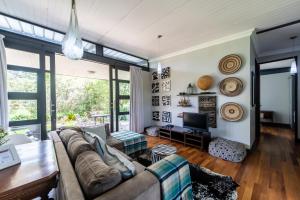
x,y
166,100
155,100
155,116
165,73
155,87
166,117
154,76
208,104
166,86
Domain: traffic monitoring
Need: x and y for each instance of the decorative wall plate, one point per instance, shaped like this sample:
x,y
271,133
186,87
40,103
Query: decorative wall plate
x,y
231,86
230,64
232,112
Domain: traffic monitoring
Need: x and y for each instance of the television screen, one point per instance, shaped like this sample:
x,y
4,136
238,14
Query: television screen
x,y
197,121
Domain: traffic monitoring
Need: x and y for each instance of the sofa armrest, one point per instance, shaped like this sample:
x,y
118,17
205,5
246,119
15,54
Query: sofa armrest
x,y
143,186
54,136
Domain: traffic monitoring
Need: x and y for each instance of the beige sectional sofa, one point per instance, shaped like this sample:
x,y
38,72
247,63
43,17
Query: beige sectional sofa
x,y
142,186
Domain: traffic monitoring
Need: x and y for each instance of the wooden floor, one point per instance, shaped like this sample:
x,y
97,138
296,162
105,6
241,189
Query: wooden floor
x,y
272,171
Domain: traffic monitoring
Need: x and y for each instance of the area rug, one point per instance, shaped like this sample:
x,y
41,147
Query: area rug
x,y
208,185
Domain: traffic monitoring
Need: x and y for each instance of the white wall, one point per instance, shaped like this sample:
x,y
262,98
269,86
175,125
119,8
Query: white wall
x,y
275,95
187,68
252,112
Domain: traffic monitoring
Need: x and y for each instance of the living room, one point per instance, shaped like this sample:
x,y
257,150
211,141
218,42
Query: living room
x,y
149,99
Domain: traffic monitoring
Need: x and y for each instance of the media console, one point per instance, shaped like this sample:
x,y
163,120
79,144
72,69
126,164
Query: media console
x,y
185,136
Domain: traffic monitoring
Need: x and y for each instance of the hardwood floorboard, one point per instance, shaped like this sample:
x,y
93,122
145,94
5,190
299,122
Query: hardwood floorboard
x,y
271,171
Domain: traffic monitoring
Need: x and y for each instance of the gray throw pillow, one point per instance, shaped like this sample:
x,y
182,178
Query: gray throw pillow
x,y
111,156
98,130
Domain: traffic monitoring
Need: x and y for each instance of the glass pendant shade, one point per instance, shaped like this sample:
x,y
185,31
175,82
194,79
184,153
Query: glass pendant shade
x,y
159,68
293,67
72,44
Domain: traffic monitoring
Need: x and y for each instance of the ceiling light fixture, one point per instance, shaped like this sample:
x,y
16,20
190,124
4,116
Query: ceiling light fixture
x,y
72,44
159,66
293,65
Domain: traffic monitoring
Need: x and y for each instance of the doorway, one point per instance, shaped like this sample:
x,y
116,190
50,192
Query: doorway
x,y
275,95
120,98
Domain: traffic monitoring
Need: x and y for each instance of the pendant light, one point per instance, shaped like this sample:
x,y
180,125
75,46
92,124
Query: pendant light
x,y
293,65
72,44
159,66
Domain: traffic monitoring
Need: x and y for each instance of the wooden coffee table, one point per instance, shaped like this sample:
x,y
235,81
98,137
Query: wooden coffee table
x,y
35,176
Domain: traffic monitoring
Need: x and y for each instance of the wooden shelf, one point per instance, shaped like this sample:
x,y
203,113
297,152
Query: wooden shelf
x,y
197,94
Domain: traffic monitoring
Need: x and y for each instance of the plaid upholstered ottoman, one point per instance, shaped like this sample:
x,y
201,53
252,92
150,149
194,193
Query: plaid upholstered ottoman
x,y
132,142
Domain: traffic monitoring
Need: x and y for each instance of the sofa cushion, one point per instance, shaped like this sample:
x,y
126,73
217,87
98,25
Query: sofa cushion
x,y
94,175
76,146
66,134
111,156
97,130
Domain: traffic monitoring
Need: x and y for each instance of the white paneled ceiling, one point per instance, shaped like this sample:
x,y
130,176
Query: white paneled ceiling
x,y
132,25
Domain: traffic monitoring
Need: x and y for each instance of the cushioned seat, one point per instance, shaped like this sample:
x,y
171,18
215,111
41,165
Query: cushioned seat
x,y
227,150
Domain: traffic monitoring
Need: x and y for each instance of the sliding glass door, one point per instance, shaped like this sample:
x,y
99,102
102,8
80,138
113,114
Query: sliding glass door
x,y
26,81
47,91
120,98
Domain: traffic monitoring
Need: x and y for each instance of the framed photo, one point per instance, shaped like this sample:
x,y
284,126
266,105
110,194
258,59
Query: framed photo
x,y
155,87
166,117
166,100
155,116
165,73
155,100
8,156
166,86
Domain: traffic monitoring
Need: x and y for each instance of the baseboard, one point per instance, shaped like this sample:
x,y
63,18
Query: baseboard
x,y
274,124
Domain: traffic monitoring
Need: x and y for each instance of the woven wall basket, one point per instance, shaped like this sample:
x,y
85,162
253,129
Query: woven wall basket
x,y
230,64
231,86
232,112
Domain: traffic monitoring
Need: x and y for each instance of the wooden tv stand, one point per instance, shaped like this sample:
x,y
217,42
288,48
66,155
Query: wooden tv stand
x,y
183,135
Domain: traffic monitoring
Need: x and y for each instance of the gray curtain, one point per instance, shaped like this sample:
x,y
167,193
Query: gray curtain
x,y
3,86
136,100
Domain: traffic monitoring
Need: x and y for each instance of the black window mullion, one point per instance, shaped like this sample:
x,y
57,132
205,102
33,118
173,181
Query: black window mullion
x,y
22,68
22,96
24,122
117,95
123,113
42,96
124,97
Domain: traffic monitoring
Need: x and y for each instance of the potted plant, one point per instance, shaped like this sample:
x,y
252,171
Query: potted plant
x,y
3,134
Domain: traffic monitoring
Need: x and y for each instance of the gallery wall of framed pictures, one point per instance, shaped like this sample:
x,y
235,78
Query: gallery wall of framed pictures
x,y
161,97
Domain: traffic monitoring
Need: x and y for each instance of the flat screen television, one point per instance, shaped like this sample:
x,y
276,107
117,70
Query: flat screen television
x,y
195,121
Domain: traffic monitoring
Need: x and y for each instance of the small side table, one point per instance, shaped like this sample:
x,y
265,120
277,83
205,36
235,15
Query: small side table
x,y
162,150
35,176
